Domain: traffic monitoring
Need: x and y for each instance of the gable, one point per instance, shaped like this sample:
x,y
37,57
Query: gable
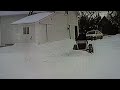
x,y
33,18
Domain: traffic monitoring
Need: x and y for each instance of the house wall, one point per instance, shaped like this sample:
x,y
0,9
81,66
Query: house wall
x,y
52,28
72,21
19,37
0,31
40,33
7,33
0,38
56,27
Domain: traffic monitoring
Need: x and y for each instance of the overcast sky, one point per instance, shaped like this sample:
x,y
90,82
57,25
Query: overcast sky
x,y
3,13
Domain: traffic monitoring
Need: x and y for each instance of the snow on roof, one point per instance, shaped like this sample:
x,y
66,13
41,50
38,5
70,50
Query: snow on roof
x,y
33,18
6,13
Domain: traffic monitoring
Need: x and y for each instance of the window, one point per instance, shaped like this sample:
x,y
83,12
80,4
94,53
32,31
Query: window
x,y
97,32
92,32
25,30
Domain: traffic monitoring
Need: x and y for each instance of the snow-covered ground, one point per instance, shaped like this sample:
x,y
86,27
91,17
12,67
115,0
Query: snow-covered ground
x,y
58,60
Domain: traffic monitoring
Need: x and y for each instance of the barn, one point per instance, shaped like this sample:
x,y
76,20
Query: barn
x,y
45,27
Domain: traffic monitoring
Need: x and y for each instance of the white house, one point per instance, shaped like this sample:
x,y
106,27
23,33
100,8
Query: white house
x,y
45,27
6,29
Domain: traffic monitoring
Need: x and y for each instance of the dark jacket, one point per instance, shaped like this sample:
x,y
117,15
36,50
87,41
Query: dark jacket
x,y
81,36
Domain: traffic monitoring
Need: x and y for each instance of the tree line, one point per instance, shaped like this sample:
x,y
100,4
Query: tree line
x,y
108,24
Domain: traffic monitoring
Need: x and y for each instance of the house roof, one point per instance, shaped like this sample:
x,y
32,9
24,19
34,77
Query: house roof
x,y
7,13
33,18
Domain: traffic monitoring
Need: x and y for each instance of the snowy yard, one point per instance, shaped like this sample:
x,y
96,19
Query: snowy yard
x,y
58,60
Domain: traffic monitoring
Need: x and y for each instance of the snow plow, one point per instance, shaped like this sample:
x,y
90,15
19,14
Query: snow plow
x,y
82,43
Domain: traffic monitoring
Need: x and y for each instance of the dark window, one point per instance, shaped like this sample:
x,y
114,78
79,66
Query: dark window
x,y
75,27
25,30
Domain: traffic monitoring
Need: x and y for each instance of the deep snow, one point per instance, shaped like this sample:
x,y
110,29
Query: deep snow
x,y
58,60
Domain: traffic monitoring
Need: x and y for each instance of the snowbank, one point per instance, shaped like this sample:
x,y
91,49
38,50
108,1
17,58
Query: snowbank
x,y
58,60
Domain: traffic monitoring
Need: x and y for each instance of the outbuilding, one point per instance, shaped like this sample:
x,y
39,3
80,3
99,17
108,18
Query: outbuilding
x,y
46,27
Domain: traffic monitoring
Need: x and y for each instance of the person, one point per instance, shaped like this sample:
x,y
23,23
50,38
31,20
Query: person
x,y
82,36
82,41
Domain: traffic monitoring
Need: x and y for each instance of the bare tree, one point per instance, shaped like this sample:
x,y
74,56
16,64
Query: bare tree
x,y
88,20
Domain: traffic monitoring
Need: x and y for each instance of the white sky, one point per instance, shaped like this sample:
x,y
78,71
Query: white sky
x,y
3,13
103,13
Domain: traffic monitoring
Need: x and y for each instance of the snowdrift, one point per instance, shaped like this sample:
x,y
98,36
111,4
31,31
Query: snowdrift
x,y
58,60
